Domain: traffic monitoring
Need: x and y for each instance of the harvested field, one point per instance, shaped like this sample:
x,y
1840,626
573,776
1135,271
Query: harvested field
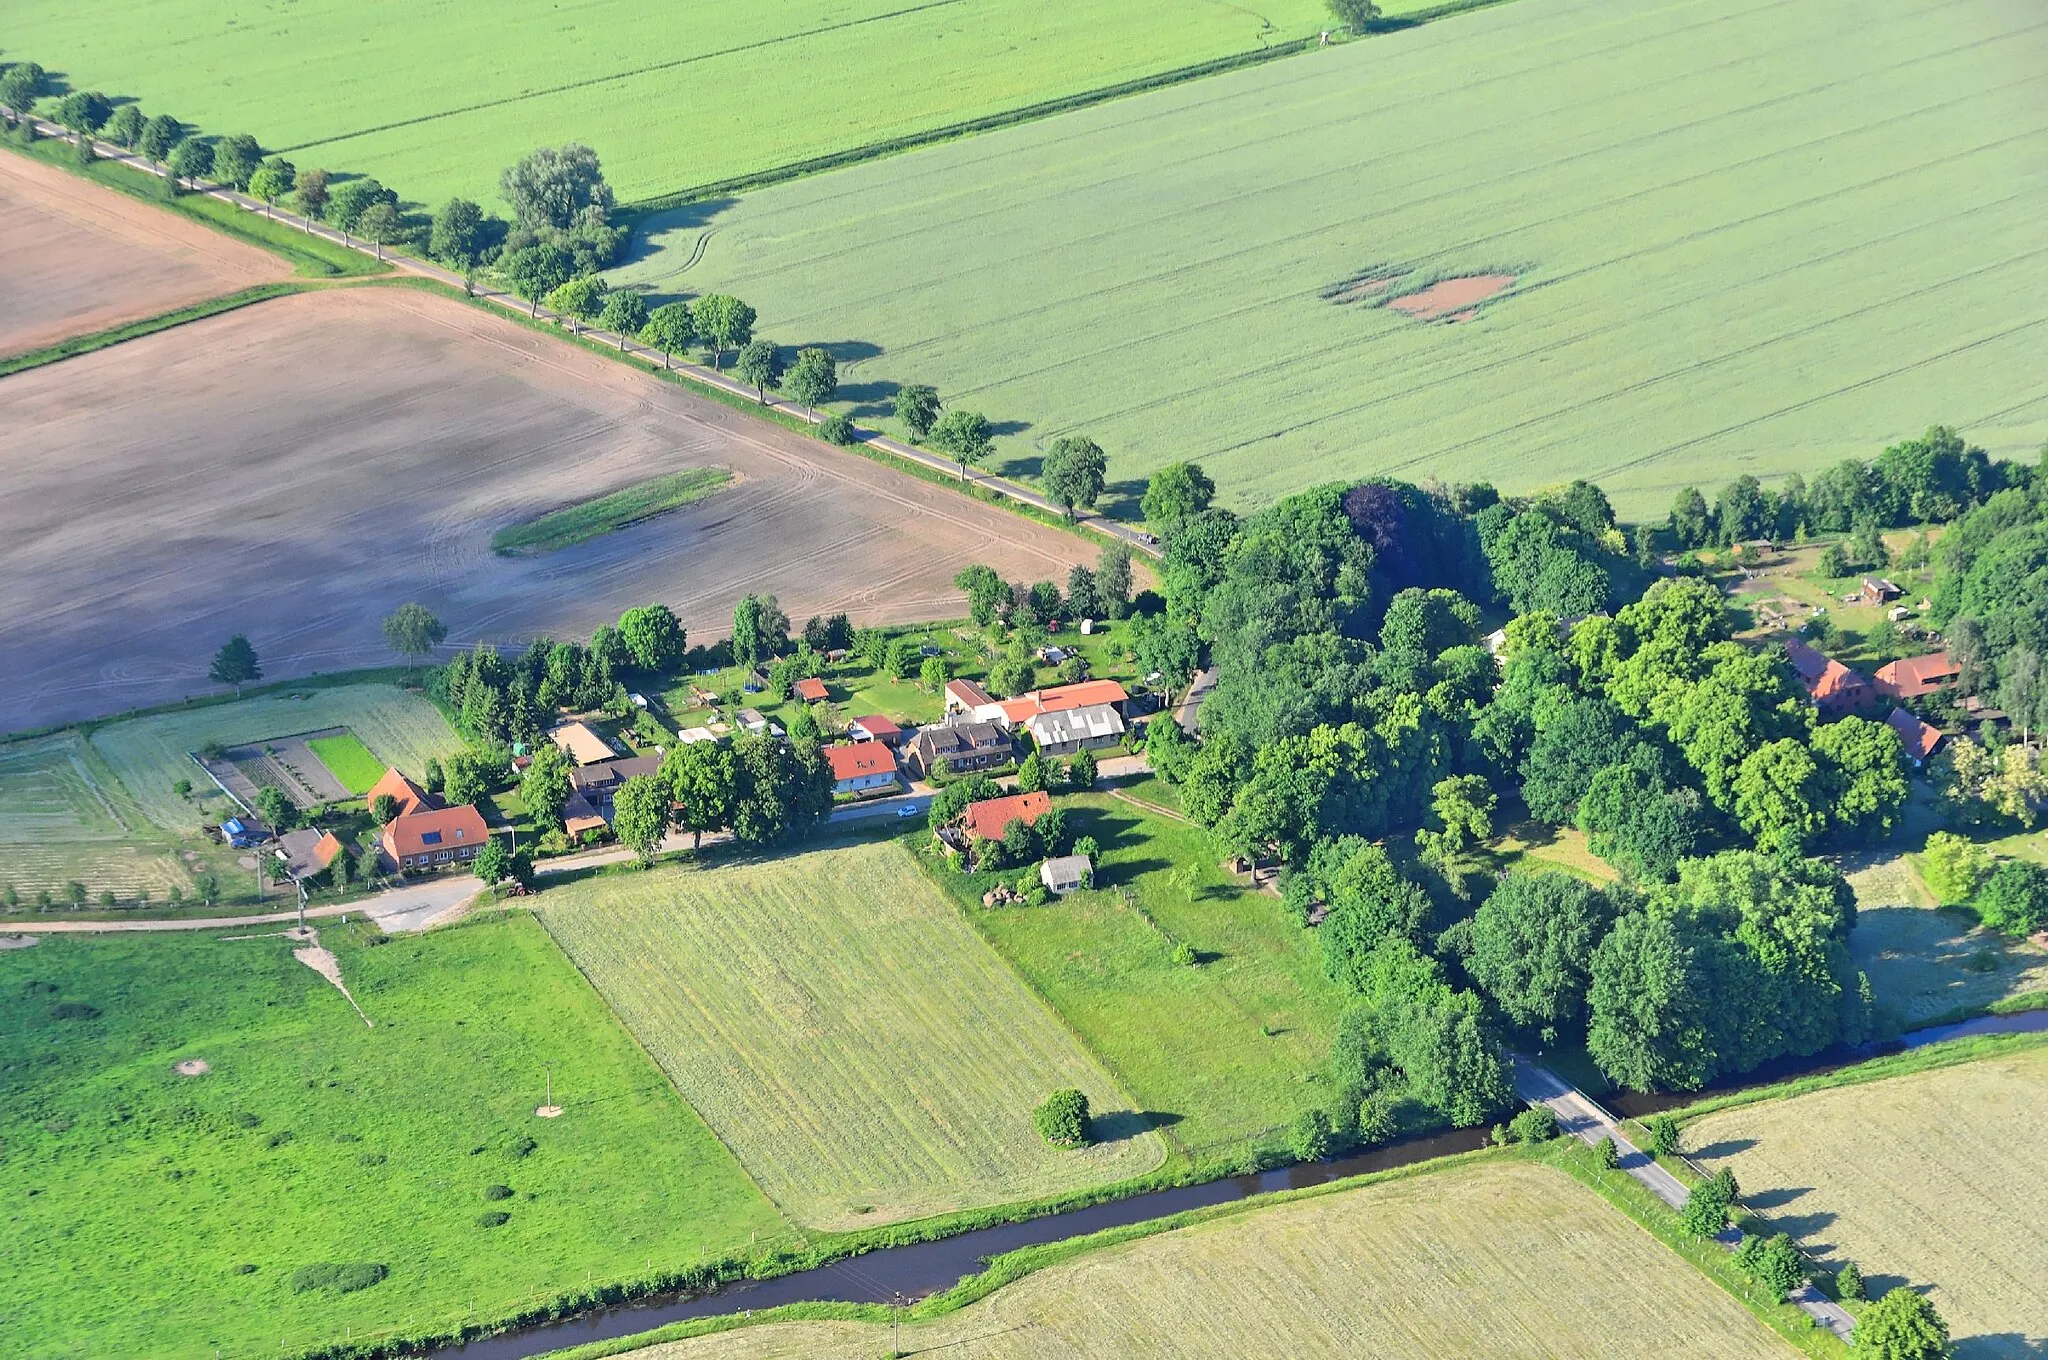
x,y
864,1053
153,512
1925,962
1749,239
64,817
1928,1180
150,755
81,258
1512,1261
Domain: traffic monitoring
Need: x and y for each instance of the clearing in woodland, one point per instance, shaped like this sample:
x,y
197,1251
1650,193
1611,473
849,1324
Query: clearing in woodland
x,y
82,258
156,1213
434,99
1929,1180
399,431
862,1050
1745,239
1507,1259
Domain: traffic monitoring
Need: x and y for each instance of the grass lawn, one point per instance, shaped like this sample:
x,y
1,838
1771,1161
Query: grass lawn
x,y
1227,1050
349,761
1926,962
135,1194
574,524
434,103
1538,845
866,1055
1715,275
1503,1258
1928,1180
150,754
1793,583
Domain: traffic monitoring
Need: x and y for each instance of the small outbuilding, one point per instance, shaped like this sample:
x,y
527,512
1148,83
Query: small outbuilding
x,y
811,690
1066,873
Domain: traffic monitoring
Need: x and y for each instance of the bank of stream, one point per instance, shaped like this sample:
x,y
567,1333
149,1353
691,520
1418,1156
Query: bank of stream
x,y
918,1269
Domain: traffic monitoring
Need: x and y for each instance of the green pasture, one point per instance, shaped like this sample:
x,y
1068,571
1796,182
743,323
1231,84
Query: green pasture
x,y
155,1214
1750,239
436,99
349,761
1221,1052
866,1055
573,524
1928,963
149,755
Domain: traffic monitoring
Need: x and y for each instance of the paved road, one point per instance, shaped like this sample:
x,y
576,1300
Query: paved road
x,y
1578,1115
1138,541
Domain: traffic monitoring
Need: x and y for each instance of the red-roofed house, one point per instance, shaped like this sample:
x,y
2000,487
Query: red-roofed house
x,y
964,696
858,768
810,689
1833,687
874,727
1917,737
985,820
435,839
1913,676
409,796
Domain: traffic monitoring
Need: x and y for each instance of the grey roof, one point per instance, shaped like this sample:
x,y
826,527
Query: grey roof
x,y
1076,724
1065,869
609,774
960,738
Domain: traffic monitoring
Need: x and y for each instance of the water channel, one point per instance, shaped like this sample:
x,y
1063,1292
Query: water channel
x,y
922,1268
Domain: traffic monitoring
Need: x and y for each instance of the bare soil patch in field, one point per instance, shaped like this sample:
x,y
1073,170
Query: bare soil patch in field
x,y
82,258
297,469
1452,299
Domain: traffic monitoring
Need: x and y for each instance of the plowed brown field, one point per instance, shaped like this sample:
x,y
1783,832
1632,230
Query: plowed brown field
x,y
81,258
296,469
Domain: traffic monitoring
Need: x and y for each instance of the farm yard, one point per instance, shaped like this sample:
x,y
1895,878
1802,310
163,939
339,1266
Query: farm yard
x,y
1508,1260
1924,1180
185,1210
863,1052
1750,240
434,102
400,432
82,259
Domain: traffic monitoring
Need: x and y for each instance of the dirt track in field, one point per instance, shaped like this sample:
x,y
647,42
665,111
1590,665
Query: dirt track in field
x,y
80,258
297,469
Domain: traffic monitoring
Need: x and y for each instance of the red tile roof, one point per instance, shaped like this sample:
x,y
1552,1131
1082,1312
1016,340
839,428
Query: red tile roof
x,y
1913,676
967,694
856,762
427,833
987,818
877,726
810,689
1061,698
1828,681
1917,737
411,797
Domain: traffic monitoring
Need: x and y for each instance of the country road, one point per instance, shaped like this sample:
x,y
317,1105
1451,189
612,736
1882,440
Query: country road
x,y
1136,539
1582,1118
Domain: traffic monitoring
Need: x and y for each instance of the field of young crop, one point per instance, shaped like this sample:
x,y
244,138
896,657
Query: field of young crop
x,y
1228,1049
1754,238
152,1212
1929,1180
1495,1260
861,1049
437,99
349,761
150,754
65,818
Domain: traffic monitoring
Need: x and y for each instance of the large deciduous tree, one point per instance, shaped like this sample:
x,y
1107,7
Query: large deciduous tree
x,y
917,406
966,435
759,366
1074,473
724,322
813,378
412,631
640,814
1532,948
556,187
235,664
1173,494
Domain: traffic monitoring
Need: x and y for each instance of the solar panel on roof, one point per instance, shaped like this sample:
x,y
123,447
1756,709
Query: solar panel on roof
x,y
430,838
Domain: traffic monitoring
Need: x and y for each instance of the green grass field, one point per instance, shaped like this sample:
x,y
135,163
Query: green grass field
x,y
134,1194
1230,1049
1508,1259
149,755
1926,963
64,817
436,101
349,761
1925,1180
1747,240
866,1055
574,524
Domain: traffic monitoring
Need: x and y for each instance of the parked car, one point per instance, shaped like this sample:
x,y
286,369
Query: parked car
x,y
909,810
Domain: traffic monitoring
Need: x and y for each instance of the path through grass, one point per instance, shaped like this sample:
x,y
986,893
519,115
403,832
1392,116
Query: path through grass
x,y
135,1195
846,1033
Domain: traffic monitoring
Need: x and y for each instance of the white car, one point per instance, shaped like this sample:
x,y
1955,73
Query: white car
x,y
909,810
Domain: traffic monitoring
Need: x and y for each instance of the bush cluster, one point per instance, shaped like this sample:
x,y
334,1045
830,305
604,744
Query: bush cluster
x,y
341,1277
1063,1119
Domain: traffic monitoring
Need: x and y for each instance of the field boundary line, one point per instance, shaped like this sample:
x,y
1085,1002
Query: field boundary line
x,y
80,345
1034,112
